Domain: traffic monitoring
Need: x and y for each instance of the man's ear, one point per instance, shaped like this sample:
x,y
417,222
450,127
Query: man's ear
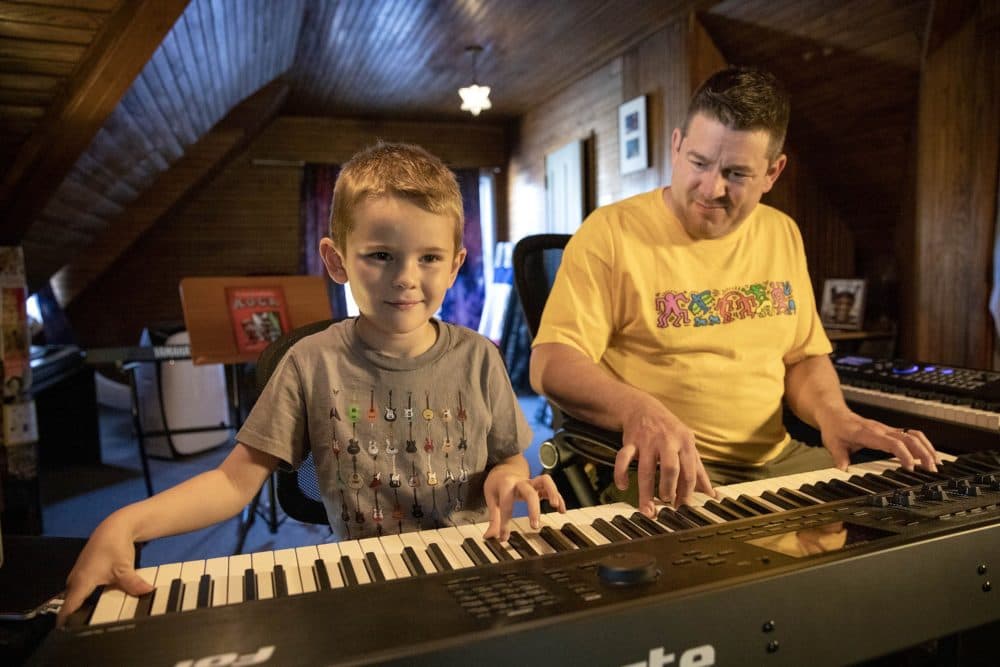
x,y
332,260
774,170
456,264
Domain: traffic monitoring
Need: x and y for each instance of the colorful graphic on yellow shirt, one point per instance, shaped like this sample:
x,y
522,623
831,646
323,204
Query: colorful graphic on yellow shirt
x,y
712,306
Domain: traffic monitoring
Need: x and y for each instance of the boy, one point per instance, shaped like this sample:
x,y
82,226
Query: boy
x,y
412,422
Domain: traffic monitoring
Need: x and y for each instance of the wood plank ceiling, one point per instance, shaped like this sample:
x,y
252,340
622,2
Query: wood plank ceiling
x,y
843,61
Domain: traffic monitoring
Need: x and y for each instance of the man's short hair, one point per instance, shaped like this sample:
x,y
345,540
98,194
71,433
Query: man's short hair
x,y
744,99
398,170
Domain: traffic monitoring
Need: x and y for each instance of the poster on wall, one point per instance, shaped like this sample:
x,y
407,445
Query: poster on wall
x,y
259,316
843,303
15,340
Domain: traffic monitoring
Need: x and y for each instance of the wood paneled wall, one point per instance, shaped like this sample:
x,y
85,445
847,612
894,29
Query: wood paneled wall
x,y
667,67
247,220
956,196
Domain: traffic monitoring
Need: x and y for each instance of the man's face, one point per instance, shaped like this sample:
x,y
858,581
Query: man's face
x,y
720,174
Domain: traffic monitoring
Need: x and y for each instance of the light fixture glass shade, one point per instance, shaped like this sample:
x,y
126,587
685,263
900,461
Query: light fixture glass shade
x,y
475,98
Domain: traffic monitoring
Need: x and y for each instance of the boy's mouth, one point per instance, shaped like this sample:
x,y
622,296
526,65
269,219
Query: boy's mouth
x,y
404,304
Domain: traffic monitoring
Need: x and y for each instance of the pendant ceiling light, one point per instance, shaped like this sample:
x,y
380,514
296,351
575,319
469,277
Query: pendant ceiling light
x,y
475,98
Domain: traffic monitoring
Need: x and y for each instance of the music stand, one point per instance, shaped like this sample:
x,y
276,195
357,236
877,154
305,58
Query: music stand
x,y
208,317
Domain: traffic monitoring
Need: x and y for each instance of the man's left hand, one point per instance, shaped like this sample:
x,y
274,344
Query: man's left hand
x,y
848,432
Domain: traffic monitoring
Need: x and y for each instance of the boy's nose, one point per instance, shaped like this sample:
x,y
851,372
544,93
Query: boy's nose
x,y
404,278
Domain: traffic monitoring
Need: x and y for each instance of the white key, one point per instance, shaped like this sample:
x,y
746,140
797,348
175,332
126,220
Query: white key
x,y
238,565
414,541
263,567
453,538
374,546
148,574
522,525
483,527
306,562
392,546
165,574
191,572
109,606
582,521
330,555
218,570
289,563
469,531
352,550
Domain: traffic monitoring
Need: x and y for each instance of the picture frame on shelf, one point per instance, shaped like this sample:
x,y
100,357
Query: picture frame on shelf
x,y
633,136
843,303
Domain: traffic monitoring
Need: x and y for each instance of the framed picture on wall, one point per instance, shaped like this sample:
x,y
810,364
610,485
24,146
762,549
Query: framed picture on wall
x,y
633,138
843,303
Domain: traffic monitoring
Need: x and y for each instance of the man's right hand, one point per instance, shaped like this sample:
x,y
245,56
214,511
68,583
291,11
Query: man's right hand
x,y
653,436
108,558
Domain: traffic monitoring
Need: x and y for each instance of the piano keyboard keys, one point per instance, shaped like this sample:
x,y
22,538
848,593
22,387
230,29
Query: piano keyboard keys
x,y
180,587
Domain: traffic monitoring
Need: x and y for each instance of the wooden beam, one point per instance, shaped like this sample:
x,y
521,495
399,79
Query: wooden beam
x,y
174,188
944,18
110,65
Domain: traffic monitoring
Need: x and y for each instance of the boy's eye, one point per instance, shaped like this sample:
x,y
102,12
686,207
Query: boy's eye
x,y
380,255
431,258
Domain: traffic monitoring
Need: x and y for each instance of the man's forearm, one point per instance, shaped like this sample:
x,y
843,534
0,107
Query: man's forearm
x,y
812,390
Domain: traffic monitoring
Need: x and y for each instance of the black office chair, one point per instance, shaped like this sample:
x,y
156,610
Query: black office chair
x,y
297,491
580,457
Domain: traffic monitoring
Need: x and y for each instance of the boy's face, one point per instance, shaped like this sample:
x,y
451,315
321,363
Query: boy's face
x,y
400,261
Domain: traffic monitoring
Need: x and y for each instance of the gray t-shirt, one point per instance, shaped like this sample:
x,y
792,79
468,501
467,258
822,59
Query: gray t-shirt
x,y
398,444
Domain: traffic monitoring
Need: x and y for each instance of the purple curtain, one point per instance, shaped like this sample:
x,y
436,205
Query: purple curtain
x,y
463,303
314,218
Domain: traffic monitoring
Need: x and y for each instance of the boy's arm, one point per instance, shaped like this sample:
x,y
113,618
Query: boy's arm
x,y
509,481
198,502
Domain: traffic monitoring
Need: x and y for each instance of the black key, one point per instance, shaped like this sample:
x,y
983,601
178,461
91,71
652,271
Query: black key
x,y
174,596
608,531
144,604
890,484
555,539
755,504
847,487
721,511
577,536
905,477
779,501
838,492
249,585
437,557
865,483
413,563
819,494
648,524
796,497
372,565
280,582
81,617
493,544
204,592
670,518
322,576
961,468
347,571
688,513
627,527
472,549
923,475
739,508
520,544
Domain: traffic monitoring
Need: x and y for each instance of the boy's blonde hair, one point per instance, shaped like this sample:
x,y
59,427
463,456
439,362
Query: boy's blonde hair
x,y
399,170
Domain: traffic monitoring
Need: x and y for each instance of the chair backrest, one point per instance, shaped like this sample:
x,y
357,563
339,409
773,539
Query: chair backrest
x,y
297,490
536,260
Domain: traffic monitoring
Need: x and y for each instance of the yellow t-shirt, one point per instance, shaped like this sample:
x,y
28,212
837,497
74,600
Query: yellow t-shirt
x,y
706,326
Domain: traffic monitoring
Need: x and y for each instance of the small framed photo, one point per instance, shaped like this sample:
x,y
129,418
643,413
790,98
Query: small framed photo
x,y
633,144
843,303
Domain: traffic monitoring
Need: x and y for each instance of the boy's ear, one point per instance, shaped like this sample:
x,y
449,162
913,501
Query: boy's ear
x,y
456,264
332,260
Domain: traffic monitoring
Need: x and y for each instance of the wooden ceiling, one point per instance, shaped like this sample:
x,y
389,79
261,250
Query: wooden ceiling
x,y
101,99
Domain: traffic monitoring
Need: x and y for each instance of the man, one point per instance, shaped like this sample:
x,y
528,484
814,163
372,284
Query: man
x,y
682,316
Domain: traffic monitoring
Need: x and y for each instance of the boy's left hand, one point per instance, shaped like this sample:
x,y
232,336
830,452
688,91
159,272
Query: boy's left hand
x,y
503,487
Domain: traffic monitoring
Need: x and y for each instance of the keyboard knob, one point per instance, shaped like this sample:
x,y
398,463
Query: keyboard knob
x,y
628,569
